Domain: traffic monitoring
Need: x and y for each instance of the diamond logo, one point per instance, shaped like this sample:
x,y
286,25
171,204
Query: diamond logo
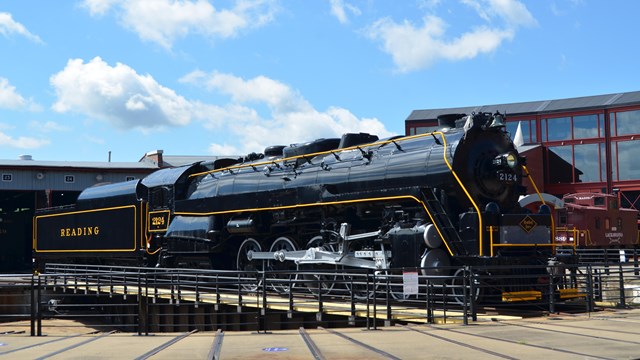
x,y
527,224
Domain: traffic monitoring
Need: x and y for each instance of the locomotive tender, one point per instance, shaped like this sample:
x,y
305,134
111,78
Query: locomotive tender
x,y
427,201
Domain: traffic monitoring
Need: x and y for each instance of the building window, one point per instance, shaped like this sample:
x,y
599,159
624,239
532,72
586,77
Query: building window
x,y
560,165
69,179
624,160
587,126
556,129
7,177
627,122
528,128
586,160
590,126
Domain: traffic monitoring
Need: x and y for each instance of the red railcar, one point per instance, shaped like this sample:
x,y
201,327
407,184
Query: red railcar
x,y
593,220
589,220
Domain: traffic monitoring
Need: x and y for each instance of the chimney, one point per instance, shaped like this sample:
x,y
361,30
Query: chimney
x,y
156,157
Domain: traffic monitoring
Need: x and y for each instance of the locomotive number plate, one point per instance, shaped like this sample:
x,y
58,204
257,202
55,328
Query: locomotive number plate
x,y
507,177
158,220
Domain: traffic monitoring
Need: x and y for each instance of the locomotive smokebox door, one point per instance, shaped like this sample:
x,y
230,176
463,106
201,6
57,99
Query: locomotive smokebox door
x,y
406,247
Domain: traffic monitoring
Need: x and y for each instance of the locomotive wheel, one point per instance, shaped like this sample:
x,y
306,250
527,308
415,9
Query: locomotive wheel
x,y
457,289
320,283
281,268
250,266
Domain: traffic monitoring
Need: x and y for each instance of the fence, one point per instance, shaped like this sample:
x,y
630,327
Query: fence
x,y
145,300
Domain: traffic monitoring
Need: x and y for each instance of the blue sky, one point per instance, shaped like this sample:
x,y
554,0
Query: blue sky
x,y
195,77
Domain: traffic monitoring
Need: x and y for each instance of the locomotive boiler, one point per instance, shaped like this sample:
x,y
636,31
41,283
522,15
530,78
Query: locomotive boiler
x,y
428,201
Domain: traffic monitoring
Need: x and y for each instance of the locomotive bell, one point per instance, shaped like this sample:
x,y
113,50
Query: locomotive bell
x,y
498,120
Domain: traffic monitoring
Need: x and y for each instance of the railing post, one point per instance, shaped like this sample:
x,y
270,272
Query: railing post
x,y
38,309
290,311
140,310
552,303
472,288
352,316
429,290
590,298
146,304
465,295
320,302
375,303
197,303
368,301
262,310
445,297
217,304
33,307
389,321
239,307
636,271
623,302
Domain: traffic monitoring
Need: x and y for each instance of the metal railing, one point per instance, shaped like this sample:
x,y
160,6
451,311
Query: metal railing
x,y
145,300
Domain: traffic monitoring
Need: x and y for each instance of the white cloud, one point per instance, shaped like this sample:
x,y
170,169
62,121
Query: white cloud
x,y
47,126
22,142
416,47
339,9
225,150
121,96
164,21
8,27
11,99
512,11
291,118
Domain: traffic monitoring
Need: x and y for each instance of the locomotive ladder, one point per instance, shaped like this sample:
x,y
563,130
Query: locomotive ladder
x,y
443,222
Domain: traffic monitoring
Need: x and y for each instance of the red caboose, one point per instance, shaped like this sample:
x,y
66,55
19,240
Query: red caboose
x,y
594,220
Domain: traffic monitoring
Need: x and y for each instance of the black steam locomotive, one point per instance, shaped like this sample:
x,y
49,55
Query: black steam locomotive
x,y
427,201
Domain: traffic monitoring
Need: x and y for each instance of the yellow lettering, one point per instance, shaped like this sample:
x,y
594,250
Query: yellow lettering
x,y
80,231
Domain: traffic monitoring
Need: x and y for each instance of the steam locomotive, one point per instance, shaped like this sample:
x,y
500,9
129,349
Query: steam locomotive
x,y
429,201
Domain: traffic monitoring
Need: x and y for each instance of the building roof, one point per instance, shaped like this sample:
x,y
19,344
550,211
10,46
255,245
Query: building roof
x,y
179,160
535,107
78,165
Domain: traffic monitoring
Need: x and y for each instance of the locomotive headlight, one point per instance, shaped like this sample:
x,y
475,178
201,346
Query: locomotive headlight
x,y
509,160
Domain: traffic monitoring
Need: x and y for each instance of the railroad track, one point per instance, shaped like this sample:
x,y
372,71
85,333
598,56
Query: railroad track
x,y
605,336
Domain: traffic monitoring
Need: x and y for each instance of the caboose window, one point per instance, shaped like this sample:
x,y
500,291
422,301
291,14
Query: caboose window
x,y
598,201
